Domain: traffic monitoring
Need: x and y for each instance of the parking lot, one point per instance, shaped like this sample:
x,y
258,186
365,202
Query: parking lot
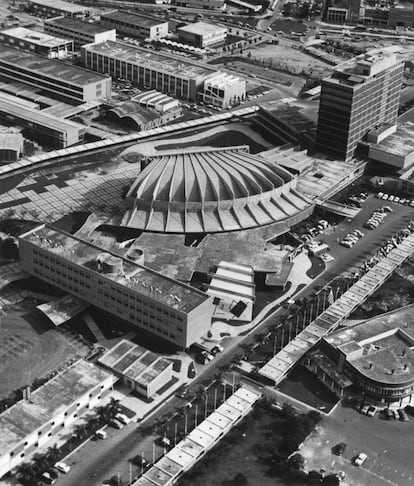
x,y
387,443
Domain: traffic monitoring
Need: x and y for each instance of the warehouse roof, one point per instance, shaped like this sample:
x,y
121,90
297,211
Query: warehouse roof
x,y
78,25
148,59
132,18
69,7
48,67
202,28
52,398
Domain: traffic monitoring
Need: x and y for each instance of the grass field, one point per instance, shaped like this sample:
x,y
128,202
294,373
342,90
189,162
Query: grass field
x,y
31,348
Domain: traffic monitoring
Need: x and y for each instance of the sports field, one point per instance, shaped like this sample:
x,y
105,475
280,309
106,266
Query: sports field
x,y
31,347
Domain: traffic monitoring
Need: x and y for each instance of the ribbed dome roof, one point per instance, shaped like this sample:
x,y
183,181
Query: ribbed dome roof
x,y
206,191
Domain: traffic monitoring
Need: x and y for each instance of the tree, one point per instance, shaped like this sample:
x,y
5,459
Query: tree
x,y
26,473
40,463
296,462
53,454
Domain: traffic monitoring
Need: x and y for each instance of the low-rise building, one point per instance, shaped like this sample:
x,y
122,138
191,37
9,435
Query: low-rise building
x,y
146,68
206,4
79,31
141,117
46,127
375,355
156,100
129,23
223,90
141,370
202,34
148,301
54,8
32,423
37,42
11,146
57,79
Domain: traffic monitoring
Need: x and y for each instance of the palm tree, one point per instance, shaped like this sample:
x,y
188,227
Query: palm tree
x,y
26,473
40,463
53,454
80,430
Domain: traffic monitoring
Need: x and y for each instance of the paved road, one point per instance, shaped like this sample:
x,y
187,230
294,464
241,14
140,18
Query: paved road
x,y
98,461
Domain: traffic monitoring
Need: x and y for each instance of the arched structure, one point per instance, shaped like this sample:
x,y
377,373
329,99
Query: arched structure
x,y
211,190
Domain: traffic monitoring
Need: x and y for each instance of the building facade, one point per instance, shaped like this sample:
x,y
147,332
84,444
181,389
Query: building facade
x,y
202,34
11,146
33,423
46,127
361,94
78,31
206,4
162,307
129,23
146,68
223,90
37,42
59,80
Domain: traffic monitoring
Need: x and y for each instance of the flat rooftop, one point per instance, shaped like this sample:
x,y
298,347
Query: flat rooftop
x,y
43,66
52,398
37,38
133,18
39,117
135,362
78,25
148,59
399,143
69,7
202,28
386,342
133,276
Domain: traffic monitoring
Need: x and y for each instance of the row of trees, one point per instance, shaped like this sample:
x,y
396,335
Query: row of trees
x,y
28,473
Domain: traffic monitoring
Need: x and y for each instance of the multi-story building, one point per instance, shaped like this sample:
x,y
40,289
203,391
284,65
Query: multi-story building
x,y
54,131
160,306
202,34
78,31
54,8
34,422
147,68
223,90
37,42
361,94
129,23
55,78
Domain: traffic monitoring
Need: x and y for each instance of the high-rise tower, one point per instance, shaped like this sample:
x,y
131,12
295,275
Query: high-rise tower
x,y
361,94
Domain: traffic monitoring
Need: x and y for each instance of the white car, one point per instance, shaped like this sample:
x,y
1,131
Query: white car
x,y
360,459
379,195
62,467
391,198
385,197
122,418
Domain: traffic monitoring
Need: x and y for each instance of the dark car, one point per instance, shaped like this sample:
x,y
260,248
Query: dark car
x,y
140,461
403,415
339,449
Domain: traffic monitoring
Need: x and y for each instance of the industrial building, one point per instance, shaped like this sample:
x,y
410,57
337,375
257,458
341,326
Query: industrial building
x,y
202,34
141,370
80,32
130,23
46,127
146,68
141,117
156,100
55,8
361,94
62,81
37,42
223,90
11,146
33,423
157,305
375,355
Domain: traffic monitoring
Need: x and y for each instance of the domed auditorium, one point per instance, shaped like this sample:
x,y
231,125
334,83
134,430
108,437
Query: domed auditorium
x,y
211,191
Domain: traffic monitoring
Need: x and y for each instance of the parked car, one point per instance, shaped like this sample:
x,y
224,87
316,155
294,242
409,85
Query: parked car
x,y
101,434
116,424
62,467
379,195
47,478
122,418
360,459
372,410
139,460
364,409
389,414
